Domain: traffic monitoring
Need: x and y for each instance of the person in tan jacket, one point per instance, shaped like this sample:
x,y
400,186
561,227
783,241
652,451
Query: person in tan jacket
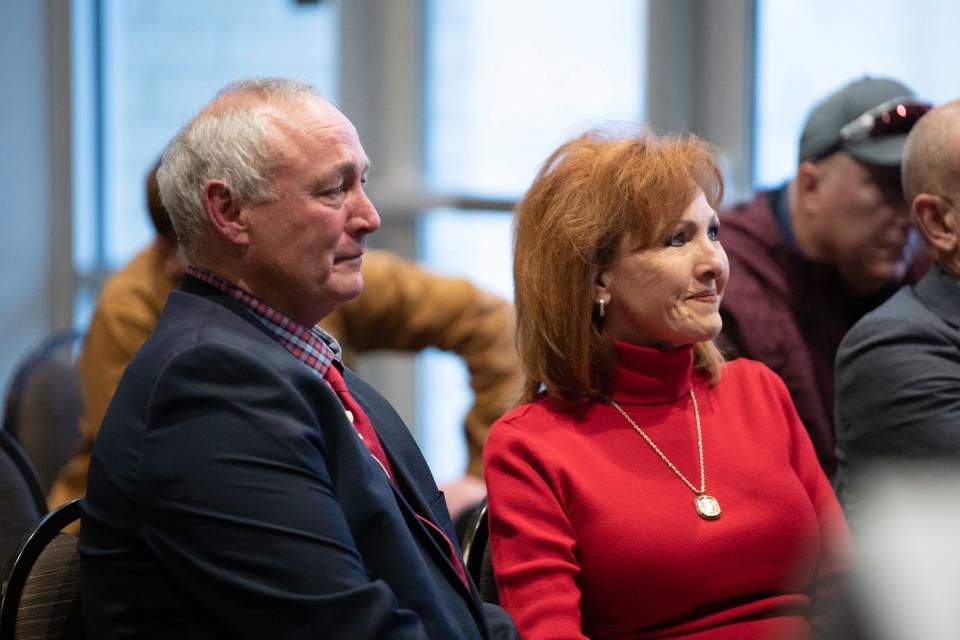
x,y
403,307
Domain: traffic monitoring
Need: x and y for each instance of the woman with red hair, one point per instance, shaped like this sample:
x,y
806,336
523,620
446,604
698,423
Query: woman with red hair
x,y
647,489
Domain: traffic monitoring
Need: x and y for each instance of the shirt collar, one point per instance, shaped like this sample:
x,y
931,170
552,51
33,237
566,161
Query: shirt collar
x,y
312,346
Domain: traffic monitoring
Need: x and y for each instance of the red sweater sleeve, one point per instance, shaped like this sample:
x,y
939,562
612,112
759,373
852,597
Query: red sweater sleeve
x,y
531,533
836,548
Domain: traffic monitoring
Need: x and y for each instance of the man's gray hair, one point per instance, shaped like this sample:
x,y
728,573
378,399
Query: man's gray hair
x,y
233,141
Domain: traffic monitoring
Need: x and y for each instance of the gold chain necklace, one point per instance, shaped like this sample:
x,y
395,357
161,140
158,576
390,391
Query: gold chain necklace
x,y
707,506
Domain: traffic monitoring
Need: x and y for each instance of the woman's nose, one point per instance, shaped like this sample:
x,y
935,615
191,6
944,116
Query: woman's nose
x,y
712,260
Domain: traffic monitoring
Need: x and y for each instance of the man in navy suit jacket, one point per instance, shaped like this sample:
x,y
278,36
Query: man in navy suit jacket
x,y
232,491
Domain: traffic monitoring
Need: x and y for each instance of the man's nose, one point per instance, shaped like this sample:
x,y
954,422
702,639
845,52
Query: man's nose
x,y
903,211
896,200
363,216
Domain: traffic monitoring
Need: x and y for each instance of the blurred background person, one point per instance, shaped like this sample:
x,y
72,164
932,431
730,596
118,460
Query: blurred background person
x,y
126,312
811,257
403,307
645,488
898,369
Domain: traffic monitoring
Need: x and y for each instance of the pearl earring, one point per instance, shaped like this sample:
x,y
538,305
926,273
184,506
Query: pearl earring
x,y
602,304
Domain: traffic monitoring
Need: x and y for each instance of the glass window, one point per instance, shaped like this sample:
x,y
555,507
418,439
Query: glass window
x,y
443,387
507,82
84,137
806,49
163,59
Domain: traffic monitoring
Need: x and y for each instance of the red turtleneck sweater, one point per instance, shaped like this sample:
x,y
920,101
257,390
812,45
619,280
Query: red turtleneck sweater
x,y
594,536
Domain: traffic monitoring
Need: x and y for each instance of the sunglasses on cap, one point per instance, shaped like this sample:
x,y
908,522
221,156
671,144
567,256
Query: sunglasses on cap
x,y
896,116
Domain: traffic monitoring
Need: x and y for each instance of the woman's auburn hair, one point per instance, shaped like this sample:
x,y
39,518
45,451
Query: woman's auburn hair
x,y
592,194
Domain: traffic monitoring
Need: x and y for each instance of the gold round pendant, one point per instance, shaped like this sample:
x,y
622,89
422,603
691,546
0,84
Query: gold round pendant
x,y
707,507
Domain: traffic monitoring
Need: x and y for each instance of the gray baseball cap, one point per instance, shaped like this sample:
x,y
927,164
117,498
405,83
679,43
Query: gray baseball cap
x,y
845,121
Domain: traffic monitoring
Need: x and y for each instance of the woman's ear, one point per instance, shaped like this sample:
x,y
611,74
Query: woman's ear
x,y
601,289
601,295
224,212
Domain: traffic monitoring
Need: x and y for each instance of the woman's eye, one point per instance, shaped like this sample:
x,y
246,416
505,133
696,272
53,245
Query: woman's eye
x,y
714,232
677,240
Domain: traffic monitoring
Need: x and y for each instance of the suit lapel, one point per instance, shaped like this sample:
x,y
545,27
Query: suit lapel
x,y
408,494
398,449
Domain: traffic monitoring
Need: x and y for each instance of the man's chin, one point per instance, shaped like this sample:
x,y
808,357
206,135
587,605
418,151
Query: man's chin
x,y
348,288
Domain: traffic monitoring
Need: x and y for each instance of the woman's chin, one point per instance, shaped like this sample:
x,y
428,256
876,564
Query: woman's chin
x,y
704,333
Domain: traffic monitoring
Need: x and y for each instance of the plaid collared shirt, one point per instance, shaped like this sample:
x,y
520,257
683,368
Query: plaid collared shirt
x,y
312,346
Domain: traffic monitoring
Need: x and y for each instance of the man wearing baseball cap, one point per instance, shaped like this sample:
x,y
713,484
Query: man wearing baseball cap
x,y
810,258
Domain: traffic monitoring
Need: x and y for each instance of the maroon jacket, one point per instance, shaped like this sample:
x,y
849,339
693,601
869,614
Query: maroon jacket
x,y
789,313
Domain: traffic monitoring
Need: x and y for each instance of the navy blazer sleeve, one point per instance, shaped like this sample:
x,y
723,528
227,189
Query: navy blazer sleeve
x,y
897,388
236,501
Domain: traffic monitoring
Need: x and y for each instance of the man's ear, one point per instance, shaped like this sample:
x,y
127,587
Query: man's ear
x,y
224,212
807,181
936,220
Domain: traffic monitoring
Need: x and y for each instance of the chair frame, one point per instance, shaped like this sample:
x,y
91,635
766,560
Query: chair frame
x,y
12,448
11,402
22,562
475,541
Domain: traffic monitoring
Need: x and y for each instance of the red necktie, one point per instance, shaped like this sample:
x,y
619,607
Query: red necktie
x,y
358,419
364,427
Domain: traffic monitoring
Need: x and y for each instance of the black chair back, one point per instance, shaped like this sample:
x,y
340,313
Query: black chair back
x,y
43,404
41,590
22,503
477,556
